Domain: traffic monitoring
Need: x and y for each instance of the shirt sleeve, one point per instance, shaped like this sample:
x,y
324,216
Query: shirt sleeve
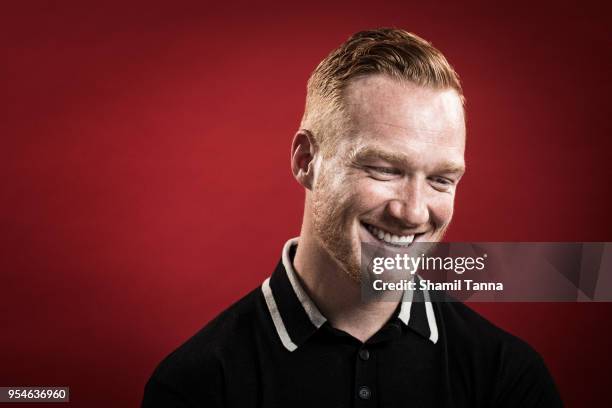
x,y
158,394
185,381
524,381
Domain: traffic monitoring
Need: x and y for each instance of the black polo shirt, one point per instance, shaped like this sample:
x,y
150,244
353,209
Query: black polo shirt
x,y
273,348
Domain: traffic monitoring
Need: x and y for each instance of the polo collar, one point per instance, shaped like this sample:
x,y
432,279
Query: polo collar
x,y
296,317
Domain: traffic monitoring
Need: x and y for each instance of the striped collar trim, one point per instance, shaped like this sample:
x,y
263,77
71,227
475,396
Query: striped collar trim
x,y
296,317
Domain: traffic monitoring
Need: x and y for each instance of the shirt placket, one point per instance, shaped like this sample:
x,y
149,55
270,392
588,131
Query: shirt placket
x,y
365,392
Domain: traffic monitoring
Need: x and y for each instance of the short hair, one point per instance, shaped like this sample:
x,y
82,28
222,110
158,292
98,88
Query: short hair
x,y
394,52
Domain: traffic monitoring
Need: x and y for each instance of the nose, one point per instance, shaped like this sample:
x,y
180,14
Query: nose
x,y
410,205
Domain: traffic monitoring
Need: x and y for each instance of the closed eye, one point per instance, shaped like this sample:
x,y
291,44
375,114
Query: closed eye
x,y
442,180
442,183
385,170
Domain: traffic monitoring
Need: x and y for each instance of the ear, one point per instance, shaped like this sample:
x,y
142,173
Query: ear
x,y
303,152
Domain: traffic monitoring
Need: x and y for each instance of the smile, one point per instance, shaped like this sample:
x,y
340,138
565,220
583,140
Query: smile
x,y
388,238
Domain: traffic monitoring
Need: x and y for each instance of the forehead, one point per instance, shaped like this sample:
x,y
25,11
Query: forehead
x,y
382,109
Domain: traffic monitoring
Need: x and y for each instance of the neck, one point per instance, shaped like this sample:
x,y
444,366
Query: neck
x,y
337,295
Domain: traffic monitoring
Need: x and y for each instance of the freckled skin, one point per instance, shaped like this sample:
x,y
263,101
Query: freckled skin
x,y
425,128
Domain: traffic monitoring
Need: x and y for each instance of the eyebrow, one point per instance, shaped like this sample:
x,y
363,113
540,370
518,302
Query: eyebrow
x,y
359,154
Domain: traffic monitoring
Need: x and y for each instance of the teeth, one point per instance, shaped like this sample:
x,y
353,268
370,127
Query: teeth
x,y
401,240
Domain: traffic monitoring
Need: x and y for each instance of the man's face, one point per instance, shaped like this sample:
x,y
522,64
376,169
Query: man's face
x,y
392,178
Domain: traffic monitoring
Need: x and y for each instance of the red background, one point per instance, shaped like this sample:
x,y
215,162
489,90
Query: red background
x,y
145,169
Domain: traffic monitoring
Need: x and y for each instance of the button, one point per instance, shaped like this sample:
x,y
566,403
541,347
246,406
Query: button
x,y
364,354
365,393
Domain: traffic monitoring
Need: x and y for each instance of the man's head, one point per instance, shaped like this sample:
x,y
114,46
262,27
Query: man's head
x,y
380,149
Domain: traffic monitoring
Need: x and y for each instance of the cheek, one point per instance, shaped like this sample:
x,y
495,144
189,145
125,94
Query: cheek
x,y
336,197
441,209
370,194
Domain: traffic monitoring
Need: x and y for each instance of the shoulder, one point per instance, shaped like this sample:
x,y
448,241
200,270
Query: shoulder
x,y
466,329
514,370
215,339
461,323
219,334
194,371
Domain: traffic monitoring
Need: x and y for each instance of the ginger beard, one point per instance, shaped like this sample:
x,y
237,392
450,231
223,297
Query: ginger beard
x,y
332,223
332,213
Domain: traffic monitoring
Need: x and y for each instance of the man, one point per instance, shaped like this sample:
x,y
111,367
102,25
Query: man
x,y
380,153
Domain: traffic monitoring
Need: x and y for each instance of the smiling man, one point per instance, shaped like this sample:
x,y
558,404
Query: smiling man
x,y
380,152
